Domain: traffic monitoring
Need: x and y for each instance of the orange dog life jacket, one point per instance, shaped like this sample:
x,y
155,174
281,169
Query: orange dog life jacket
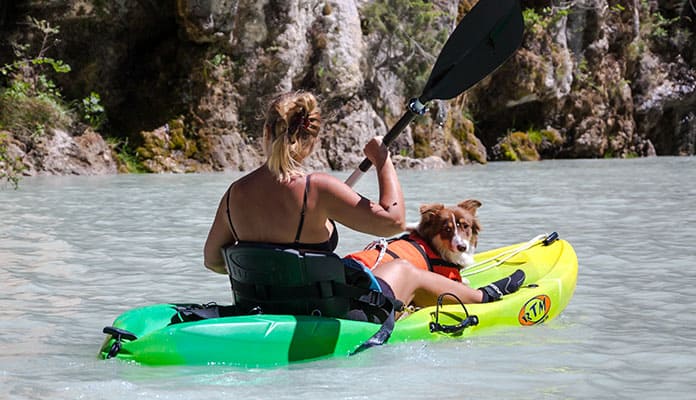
x,y
413,248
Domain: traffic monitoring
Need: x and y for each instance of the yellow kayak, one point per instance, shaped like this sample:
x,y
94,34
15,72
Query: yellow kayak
x,y
551,275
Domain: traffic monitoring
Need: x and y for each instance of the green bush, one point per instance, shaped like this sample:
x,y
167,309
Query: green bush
x,y
546,17
31,103
29,116
92,110
126,158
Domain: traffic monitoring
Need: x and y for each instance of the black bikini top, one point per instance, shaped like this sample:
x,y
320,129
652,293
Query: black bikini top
x,y
329,245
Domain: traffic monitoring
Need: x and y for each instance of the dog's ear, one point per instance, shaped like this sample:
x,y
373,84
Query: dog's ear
x,y
431,208
475,229
427,216
470,205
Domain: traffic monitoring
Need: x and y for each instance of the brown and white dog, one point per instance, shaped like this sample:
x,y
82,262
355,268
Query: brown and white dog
x,y
451,231
443,241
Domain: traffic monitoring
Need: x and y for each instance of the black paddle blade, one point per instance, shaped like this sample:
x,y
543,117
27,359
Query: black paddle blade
x,y
487,36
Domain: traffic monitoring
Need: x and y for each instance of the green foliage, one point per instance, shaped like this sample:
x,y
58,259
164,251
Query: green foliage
x,y
219,66
28,115
31,102
635,50
178,139
540,137
527,146
531,17
518,146
11,168
661,25
662,30
93,111
535,136
507,152
30,68
126,157
547,16
218,59
585,78
618,8
422,147
408,38
57,65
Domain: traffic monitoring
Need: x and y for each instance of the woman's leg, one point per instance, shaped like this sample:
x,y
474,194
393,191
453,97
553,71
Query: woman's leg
x,y
420,287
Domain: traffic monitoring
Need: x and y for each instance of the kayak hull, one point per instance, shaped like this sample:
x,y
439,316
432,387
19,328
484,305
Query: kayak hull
x,y
272,340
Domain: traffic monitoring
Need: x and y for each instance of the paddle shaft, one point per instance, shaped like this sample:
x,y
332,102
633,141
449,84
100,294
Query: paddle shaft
x,y
487,36
414,109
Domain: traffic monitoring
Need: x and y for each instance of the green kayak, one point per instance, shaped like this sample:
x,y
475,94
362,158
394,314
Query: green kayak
x,y
202,334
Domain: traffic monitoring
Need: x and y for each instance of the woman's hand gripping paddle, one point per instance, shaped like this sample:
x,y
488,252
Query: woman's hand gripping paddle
x,y
484,39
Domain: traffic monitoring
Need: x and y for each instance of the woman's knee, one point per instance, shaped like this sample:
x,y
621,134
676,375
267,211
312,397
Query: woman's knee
x,y
397,269
401,277
407,268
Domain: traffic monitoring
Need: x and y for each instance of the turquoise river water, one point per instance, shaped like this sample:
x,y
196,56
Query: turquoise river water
x,y
75,252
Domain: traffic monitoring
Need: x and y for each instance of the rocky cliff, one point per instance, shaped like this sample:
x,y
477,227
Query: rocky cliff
x,y
184,84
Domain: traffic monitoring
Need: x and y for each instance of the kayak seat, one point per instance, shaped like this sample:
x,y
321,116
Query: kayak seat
x,y
276,280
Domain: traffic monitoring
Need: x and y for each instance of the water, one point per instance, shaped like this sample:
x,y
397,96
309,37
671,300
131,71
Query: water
x,y
77,251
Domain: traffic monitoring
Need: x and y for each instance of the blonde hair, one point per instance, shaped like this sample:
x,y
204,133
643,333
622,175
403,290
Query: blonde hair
x,y
291,128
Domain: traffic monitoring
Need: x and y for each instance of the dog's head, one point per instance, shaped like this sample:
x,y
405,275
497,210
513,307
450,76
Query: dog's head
x,y
451,231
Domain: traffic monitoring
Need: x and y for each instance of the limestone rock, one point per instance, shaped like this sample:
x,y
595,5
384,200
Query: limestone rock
x,y
611,80
206,21
59,153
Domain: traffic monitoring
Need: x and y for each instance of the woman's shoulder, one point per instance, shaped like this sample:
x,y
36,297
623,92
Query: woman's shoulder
x,y
323,178
325,182
331,189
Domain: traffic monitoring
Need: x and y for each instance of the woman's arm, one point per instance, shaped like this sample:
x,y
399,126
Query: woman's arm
x,y
218,237
391,197
341,203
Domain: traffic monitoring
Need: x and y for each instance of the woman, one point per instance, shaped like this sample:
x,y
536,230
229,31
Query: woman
x,y
278,203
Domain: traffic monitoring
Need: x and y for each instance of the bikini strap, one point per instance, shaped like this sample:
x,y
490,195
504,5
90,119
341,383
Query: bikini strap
x,y
229,218
302,214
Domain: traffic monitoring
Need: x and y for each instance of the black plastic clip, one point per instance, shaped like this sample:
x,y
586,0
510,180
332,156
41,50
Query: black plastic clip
x,y
118,335
466,322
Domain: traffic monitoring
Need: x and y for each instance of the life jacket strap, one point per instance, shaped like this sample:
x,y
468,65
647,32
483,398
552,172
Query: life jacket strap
x,y
431,261
420,249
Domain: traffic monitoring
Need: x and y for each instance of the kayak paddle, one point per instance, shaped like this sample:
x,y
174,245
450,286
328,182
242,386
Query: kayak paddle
x,y
483,40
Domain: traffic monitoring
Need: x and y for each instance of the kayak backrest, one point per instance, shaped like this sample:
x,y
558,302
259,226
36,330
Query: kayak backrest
x,y
276,280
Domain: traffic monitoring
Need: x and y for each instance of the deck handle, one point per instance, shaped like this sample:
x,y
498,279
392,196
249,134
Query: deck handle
x,y
550,238
118,335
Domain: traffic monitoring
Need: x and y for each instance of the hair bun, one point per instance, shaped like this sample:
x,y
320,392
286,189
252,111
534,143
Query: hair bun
x,y
293,122
300,124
